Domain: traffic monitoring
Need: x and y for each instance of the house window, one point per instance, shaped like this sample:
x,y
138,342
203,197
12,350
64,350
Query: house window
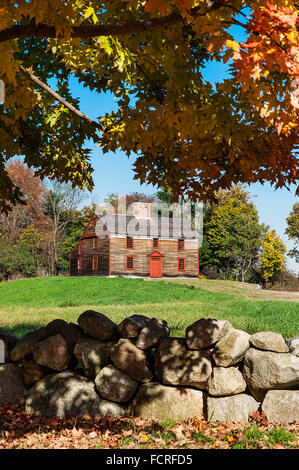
x,y
95,243
130,242
181,245
95,263
79,264
155,242
182,264
80,248
94,223
130,262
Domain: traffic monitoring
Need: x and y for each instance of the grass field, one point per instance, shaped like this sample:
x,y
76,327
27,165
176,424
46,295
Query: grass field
x,y
31,303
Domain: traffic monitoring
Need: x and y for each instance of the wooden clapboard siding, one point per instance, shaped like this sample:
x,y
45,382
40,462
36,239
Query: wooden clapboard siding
x,y
90,229
102,251
112,252
144,247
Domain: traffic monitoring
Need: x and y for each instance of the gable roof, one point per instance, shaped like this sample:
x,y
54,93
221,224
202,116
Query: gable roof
x,y
155,227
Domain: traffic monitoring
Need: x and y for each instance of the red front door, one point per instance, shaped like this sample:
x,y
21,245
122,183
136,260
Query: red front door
x,y
155,266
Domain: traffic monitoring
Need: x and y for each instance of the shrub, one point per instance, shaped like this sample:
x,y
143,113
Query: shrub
x,y
16,259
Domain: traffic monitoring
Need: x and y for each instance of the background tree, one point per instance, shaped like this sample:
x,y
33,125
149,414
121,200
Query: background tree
x,y
24,229
292,231
272,257
150,55
32,239
139,197
209,265
16,261
30,210
73,233
128,199
164,195
61,206
234,233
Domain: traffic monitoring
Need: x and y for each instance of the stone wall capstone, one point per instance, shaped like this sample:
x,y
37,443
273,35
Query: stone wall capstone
x,y
96,367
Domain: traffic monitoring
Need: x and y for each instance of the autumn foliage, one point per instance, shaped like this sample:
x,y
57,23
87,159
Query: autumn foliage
x,y
188,135
21,430
272,256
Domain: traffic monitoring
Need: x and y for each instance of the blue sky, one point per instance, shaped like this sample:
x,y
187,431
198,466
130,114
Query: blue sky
x,y
113,171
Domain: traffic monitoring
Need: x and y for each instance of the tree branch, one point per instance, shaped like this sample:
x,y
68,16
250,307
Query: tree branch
x,y
84,31
49,90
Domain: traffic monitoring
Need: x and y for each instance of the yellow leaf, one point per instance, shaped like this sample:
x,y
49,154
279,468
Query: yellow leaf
x,y
234,45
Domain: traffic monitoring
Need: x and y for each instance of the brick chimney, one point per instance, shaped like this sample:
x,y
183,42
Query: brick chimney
x,y
142,209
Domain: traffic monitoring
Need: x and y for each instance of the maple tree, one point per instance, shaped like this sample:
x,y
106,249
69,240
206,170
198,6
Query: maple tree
x,y
31,211
189,136
272,256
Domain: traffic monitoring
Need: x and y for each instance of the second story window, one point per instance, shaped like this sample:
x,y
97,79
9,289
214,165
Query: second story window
x,y
181,245
130,243
155,242
80,248
94,222
95,243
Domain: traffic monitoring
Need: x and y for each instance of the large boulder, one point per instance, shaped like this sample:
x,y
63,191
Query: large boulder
x,y
12,389
52,352
70,332
293,344
150,335
265,370
115,385
9,340
205,332
282,406
226,381
231,348
23,350
32,372
154,400
177,365
236,408
269,341
97,325
69,394
132,360
92,354
131,326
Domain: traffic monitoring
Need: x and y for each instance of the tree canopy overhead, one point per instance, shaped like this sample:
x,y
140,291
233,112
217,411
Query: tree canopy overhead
x,y
187,134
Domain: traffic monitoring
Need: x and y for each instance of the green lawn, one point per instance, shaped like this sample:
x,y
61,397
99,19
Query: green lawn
x,y
31,303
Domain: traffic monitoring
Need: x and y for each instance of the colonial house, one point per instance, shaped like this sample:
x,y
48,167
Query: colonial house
x,y
140,243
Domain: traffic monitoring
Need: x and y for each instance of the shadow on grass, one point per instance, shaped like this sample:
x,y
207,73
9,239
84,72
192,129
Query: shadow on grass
x,y
23,328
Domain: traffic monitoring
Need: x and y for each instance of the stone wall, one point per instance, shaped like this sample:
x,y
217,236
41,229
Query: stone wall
x,y
135,368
